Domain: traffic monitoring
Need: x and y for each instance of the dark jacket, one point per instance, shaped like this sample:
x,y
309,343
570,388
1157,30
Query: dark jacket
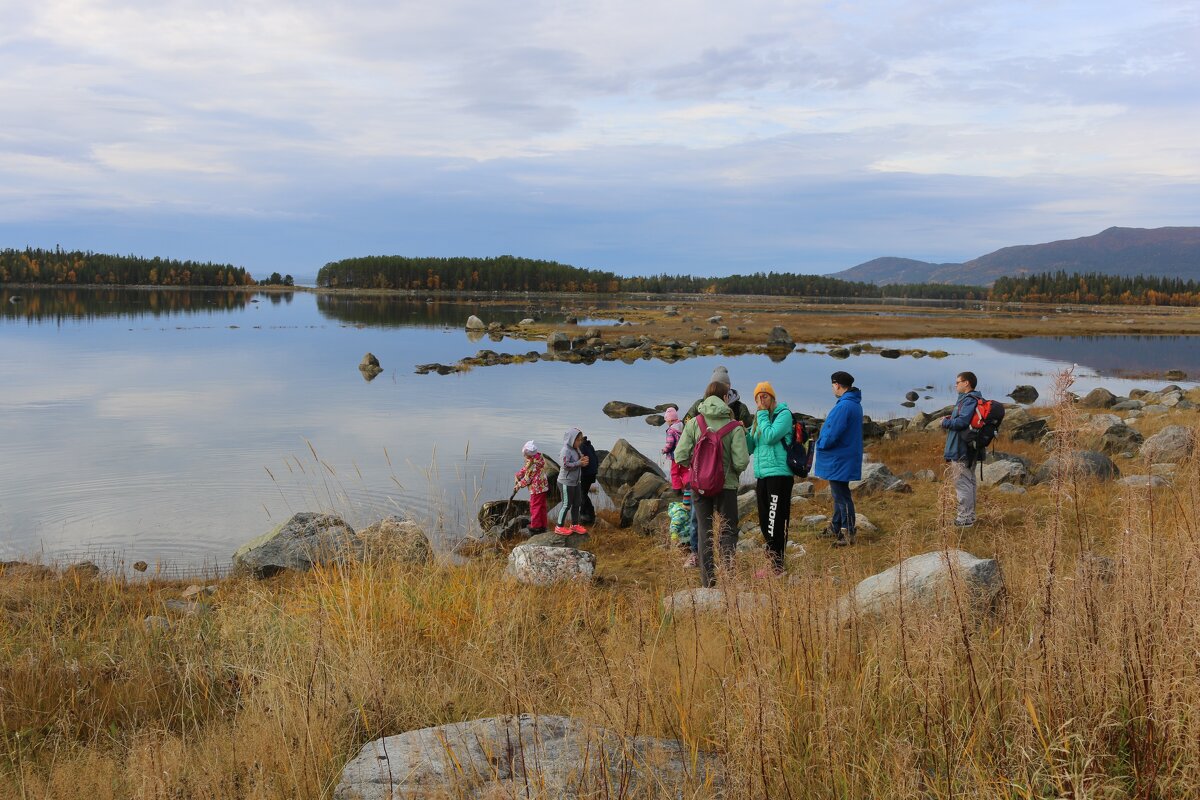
x,y
956,423
588,474
840,445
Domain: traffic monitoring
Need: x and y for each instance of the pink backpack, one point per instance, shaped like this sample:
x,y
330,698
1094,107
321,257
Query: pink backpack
x,y
708,458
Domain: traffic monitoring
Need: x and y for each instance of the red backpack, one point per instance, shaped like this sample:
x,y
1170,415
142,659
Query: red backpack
x,y
708,458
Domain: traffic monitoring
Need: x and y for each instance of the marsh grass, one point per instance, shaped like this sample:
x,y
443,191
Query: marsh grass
x,y
1081,682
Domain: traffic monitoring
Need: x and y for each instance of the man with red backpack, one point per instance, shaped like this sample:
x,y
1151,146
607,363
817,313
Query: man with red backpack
x,y
713,447
959,452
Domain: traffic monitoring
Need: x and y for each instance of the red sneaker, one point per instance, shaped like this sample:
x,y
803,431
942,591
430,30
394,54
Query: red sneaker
x,y
578,529
562,530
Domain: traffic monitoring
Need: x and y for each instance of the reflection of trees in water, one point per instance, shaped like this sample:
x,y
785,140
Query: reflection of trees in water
x,y
87,303
390,311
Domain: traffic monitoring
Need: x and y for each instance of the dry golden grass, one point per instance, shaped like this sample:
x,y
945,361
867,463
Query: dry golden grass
x,y
1079,685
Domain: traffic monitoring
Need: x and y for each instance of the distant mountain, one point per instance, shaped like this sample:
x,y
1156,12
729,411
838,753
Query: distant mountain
x,y
1171,252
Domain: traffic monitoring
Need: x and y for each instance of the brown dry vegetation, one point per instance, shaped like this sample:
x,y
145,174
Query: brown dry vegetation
x,y
1076,687
861,322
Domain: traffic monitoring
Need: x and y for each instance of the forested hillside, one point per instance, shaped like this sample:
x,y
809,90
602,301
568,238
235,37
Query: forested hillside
x,y
76,267
1094,288
511,274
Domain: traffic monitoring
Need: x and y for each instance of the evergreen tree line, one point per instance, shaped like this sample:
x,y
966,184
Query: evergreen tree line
x,y
1097,289
512,274
76,267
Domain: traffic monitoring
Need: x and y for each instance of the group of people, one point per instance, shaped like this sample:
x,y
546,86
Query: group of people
x,y
709,507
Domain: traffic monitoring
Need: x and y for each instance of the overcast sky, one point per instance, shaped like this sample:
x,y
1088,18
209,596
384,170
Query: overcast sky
x,y
704,137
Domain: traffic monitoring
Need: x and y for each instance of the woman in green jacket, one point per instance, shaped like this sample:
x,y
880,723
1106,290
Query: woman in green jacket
x,y
767,440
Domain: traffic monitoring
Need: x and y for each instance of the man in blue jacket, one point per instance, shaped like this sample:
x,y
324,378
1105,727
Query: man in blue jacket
x,y
957,453
839,455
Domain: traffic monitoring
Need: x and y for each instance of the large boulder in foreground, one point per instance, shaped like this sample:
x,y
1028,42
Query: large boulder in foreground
x,y
543,566
557,757
877,477
925,578
624,464
305,540
1170,445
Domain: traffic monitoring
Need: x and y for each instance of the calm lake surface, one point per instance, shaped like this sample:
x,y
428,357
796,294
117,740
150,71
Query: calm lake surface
x,y
173,426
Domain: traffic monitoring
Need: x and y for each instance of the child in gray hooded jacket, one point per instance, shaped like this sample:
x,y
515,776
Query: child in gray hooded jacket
x,y
569,478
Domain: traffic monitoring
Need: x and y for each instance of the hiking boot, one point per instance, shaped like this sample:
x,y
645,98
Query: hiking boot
x,y
562,530
828,532
853,537
692,561
578,529
842,541
964,523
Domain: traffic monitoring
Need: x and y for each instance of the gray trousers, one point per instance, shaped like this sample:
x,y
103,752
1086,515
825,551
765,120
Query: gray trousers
x,y
964,487
724,504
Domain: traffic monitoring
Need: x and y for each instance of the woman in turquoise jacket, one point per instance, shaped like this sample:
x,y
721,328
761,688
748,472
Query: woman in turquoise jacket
x,y
767,440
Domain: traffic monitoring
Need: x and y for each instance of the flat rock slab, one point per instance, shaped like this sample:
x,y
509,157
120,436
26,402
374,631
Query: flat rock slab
x,y
922,579
304,540
539,565
512,756
714,599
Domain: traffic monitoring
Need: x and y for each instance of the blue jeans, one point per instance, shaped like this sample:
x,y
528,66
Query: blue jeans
x,y
843,507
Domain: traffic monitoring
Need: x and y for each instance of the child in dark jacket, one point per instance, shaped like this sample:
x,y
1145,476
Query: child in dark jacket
x,y
533,476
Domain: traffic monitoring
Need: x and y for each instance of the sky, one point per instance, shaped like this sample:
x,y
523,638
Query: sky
x,y
704,137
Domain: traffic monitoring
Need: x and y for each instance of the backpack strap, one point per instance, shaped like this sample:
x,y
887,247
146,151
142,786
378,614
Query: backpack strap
x,y
701,424
727,428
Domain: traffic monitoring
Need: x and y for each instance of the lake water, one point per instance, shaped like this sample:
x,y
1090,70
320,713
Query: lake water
x,y
174,426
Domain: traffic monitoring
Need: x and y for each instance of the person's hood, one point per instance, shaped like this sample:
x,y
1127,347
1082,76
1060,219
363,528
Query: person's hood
x,y
569,437
714,408
732,396
973,393
852,395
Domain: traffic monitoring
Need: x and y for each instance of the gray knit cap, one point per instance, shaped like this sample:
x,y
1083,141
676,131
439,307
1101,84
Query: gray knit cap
x,y
720,375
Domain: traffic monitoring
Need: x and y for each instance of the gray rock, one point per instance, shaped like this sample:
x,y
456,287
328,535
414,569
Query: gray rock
x,y
925,578
721,333
81,570
140,566
912,396
624,464
1004,472
474,323
396,540
156,624
802,489
500,512
838,352
878,478
369,366
926,475
747,505
645,518
1088,463
1144,482
1128,405
648,486
1008,488
542,566
619,409
713,599
889,353
1024,394
1170,445
813,520
716,318
558,342
1154,408
1031,431
1098,423
1120,438
779,337
552,539
552,756
527,321
186,607
300,543
1092,567
1098,398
